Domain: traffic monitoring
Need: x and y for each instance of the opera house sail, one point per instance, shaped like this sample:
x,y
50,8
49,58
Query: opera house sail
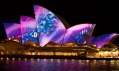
x,y
103,39
49,26
76,33
28,28
13,30
99,41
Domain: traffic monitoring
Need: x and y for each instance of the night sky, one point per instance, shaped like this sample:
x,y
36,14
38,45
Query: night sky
x,y
103,14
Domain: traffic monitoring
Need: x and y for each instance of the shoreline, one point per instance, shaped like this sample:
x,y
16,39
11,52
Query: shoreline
x,y
54,57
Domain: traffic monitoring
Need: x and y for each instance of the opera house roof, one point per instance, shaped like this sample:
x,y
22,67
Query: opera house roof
x,y
47,27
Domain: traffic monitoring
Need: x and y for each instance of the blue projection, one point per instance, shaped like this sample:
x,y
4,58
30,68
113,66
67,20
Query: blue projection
x,y
28,28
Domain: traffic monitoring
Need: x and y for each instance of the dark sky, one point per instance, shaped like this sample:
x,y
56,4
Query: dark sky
x,y
103,14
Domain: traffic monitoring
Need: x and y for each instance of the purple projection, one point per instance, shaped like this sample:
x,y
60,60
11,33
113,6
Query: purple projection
x,y
89,39
13,30
75,33
28,28
49,26
102,40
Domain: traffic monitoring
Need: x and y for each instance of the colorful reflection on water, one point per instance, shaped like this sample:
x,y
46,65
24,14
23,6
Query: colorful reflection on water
x,y
7,64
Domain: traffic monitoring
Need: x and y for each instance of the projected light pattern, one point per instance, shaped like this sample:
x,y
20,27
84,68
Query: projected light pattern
x,y
28,28
13,30
89,39
102,40
75,33
59,37
48,26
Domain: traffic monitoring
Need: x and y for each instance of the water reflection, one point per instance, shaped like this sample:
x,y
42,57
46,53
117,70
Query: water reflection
x,y
7,64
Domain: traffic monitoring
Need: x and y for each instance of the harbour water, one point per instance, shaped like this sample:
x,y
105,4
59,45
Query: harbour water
x,y
13,64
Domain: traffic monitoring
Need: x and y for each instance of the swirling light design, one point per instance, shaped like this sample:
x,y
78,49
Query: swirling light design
x,y
49,26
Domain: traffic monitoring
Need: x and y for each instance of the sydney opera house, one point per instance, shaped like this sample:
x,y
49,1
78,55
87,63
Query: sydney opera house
x,y
47,33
